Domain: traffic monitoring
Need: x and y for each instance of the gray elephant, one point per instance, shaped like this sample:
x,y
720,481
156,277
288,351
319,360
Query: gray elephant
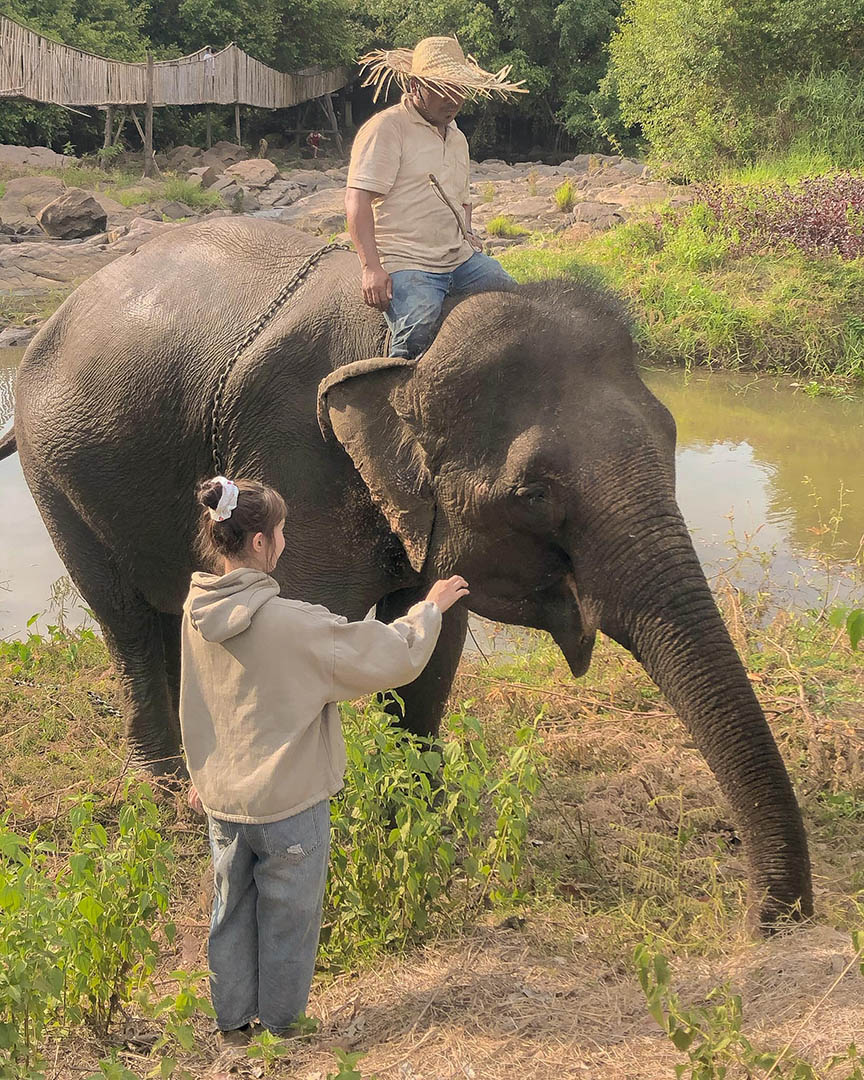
x,y
522,451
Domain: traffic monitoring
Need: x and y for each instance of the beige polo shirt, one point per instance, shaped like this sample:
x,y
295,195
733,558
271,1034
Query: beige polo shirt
x,y
392,156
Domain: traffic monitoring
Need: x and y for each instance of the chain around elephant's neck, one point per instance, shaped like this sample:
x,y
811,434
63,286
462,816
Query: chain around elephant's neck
x,y
247,339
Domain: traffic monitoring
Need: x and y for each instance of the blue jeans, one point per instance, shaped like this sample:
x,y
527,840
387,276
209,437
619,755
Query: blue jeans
x,y
418,296
268,893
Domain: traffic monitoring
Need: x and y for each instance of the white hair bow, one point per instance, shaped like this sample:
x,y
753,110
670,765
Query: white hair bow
x,y
227,500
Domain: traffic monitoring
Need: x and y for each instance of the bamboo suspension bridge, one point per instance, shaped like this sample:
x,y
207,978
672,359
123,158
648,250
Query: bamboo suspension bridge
x,y
38,69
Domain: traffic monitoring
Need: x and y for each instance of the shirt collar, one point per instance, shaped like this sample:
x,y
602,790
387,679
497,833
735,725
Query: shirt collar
x,y
416,118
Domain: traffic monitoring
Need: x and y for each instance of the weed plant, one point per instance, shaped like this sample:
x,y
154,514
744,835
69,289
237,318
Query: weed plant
x,y
504,225
565,196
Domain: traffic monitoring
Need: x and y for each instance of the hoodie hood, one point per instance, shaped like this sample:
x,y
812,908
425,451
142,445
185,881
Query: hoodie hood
x,y
223,607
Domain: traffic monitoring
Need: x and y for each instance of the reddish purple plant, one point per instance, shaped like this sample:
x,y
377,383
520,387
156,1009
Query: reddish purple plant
x,y
821,215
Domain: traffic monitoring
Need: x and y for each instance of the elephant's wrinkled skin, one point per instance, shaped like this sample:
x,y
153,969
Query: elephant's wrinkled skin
x,y
522,451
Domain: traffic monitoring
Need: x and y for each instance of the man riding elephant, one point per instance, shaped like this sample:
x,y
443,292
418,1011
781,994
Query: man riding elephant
x,y
408,200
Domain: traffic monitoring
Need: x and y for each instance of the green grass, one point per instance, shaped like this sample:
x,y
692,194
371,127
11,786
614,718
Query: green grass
x,y
504,225
565,196
18,310
197,198
694,301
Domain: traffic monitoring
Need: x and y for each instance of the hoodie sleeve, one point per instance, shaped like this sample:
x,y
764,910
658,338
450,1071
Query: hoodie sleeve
x,y
371,656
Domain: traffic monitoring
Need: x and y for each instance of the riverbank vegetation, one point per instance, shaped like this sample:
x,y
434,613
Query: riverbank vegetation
x,y
580,822
760,275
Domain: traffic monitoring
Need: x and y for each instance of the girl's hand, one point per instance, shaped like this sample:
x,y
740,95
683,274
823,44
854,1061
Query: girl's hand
x,y
445,593
194,800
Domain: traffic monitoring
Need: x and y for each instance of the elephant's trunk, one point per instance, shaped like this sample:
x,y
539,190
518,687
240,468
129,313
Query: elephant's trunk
x,y
649,593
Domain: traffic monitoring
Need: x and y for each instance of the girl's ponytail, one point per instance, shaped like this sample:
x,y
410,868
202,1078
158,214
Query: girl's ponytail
x,y
232,513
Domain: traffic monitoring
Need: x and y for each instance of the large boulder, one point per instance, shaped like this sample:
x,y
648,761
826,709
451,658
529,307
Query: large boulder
x,y
321,213
253,173
204,176
25,197
223,154
175,210
39,156
312,180
184,157
74,215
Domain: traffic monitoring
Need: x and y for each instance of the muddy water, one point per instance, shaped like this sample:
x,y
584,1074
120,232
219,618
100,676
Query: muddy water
x,y
769,481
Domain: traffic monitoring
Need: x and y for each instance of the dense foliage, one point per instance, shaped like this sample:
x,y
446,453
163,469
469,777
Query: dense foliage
x,y
712,83
703,82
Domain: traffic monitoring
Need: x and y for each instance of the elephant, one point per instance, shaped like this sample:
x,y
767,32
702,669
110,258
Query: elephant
x,y
521,450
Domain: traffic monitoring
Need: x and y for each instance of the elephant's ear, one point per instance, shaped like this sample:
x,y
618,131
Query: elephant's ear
x,y
366,405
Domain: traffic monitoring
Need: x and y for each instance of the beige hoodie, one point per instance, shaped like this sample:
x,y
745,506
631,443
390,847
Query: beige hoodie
x,y
259,684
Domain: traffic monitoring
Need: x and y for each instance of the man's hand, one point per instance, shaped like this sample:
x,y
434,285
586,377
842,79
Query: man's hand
x,y
377,287
475,241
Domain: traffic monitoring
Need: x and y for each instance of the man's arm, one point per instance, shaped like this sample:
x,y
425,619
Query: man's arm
x,y
377,286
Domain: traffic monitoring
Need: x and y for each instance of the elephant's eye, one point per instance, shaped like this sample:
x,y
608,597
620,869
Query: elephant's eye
x,y
532,493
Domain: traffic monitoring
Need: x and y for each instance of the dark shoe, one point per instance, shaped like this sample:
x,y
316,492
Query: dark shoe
x,y
241,1036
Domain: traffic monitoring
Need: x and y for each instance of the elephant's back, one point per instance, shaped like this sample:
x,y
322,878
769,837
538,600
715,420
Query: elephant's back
x,y
138,347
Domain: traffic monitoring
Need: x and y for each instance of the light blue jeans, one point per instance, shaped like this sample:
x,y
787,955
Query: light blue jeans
x,y
268,894
418,297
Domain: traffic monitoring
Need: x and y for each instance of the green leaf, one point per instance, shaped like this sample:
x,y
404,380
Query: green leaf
x,y
855,627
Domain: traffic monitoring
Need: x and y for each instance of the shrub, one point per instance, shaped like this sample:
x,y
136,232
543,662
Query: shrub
x,y
820,215
76,942
424,832
565,196
504,225
197,198
489,192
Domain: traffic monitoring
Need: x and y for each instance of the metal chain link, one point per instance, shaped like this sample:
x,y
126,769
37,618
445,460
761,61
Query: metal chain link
x,y
250,335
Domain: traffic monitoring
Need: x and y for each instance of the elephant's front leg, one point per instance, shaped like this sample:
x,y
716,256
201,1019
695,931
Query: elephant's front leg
x,y
426,697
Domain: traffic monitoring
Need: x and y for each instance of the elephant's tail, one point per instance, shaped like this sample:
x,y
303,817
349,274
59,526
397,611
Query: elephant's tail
x,y
8,445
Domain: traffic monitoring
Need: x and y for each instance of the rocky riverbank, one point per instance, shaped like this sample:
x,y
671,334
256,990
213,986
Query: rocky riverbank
x,y
55,231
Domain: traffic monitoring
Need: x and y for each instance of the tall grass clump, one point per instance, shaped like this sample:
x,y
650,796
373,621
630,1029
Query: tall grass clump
x,y
565,196
197,198
505,225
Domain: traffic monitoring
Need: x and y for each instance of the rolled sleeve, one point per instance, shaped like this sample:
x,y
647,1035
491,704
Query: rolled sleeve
x,y
375,156
372,656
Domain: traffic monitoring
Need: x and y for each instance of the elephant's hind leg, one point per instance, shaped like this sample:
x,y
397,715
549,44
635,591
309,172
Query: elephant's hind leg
x,y
135,634
426,697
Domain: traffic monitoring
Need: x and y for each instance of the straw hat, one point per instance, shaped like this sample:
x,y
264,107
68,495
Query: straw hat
x,y
440,64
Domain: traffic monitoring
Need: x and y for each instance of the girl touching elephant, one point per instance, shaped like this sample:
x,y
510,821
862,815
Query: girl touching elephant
x,y
260,681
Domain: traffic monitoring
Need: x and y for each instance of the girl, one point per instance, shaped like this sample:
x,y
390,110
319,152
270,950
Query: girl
x,y
261,676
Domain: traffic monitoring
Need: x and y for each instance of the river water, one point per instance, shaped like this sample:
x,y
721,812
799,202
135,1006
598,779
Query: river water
x,y
769,481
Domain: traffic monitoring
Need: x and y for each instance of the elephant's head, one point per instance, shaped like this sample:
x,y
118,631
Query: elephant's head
x,y
524,452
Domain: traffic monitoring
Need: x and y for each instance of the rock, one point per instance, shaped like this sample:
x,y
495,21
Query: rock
x,y
311,179
254,172
206,174
176,209
323,212
336,174
280,193
627,169
248,201
25,197
184,157
13,337
75,214
40,156
599,215
223,154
